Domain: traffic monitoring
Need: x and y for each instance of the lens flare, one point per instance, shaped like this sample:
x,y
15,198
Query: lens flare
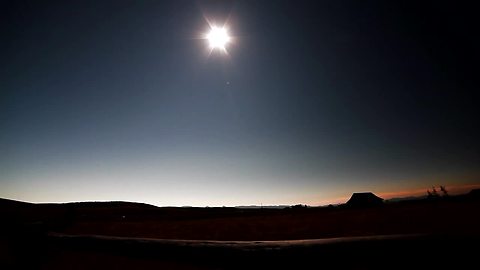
x,y
218,38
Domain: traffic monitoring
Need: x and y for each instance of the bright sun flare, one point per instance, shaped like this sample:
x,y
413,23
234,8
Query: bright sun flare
x,y
218,38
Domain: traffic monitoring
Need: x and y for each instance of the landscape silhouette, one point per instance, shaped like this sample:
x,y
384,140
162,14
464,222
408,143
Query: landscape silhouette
x,y
360,233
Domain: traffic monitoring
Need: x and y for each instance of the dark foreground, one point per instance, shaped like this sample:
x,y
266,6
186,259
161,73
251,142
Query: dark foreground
x,y
378,252
441,234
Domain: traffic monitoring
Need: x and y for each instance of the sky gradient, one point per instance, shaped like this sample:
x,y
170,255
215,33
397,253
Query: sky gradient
x,y
121,100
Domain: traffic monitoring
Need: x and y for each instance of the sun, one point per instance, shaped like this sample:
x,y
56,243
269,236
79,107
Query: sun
x,y
218,38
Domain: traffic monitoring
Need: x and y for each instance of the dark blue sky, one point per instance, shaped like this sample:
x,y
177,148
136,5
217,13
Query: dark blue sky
x,y
120,100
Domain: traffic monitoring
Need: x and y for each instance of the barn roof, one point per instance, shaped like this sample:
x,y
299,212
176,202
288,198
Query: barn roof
x,y
364,199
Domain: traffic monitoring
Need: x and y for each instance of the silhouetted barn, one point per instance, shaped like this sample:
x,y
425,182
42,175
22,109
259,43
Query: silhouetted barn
x,y
364,199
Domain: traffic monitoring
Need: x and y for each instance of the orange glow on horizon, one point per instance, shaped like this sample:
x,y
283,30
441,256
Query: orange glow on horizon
x,y
452,189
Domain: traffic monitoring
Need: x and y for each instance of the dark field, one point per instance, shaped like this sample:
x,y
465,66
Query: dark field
x,y
60,236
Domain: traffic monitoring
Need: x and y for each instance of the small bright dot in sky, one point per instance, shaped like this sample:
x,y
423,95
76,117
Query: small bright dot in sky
x,y
218,38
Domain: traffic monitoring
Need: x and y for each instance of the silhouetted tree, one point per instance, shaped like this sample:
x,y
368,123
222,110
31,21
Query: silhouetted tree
x,y
433,194
444,191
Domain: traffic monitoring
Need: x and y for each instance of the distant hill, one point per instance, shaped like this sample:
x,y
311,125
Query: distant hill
x,y
8,202
262,207
121,204
7,205
94,204
474,193
410,198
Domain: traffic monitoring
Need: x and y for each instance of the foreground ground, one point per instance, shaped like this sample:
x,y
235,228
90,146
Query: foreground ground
x,y
62,236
